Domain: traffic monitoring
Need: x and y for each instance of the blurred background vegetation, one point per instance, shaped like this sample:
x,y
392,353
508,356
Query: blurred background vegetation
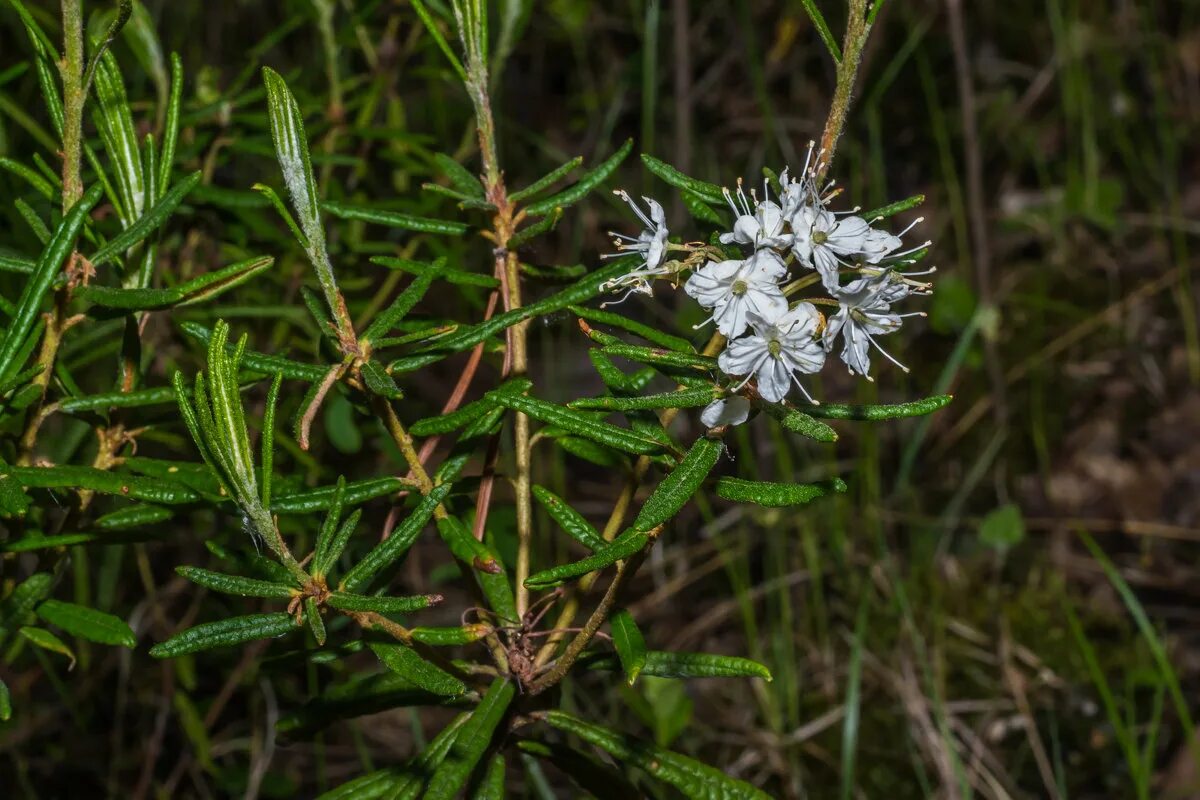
x,y
1002,606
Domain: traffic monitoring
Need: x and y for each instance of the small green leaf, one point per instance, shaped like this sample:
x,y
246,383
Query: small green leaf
x,y
5,702
346,601
312,613
447,423
621,548
357,493
818,20
197,290
134,487
629,644
450,637
916,408
701,665
484,563
406,662
391,316
708,192
570,520
396,219
403,782
650,334
146,224
19,604
135,516
48,641
680,484
547,180
684,398
391,549
460,176
776,495
139,398
472,742
1003,528
531,232
87,623
261,362
699,208
236,584
457,277
491,786
589,181
665,358
578,423
225,633
797,421
894,208
692,778
114,121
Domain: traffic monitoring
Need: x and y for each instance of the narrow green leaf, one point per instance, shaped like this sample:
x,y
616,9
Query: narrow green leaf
x,y
11,263
146,224
436,34
491,786
30,176
114,121
547,180
472,742
531,232
383,605
578,423
894,208
460,176
402,782
406,662
357,493
684,398
692,778
171,123
261,362
446,423
197,290
47,641
589,181
659,664
570,520
312,614
135,516
20,602
450,637
398,309
619,549
776,495
457,277
329,525
161,395
5,702
237,584
87,623
699,208
337,544
629,644
396,219
708,192
267,445
135,487
47,269
680,484
916,408
225,633
484,563
291,148
391,549
650,334
818,20
797,421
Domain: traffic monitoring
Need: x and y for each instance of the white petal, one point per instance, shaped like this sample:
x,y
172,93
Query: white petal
x,y
774,380
730,411
740,355
848,234
731,317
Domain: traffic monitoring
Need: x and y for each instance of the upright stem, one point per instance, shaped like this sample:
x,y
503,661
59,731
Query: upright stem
x,y
71,69
857,30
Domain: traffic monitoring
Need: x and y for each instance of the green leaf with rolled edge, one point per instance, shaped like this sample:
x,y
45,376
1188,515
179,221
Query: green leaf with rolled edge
x,y
398,309
135,516
347,601
621,548
797,421
459,175
699,208
135,487
291,148
680,484
46,640
396,219
578,423
491,785
531,232
41,279
362,694
324,561
589,181
471,412
406,662
485,565
579,292
21,601
570,520
916,408
650,334
312,615
457,277
146,224
402,782
5,703
894,208
684,398
357,492
776,495
261,363
659,664
391,549
225,633
87,623
693,779
472,742
11,263
197,290
139,398
450,637
629,644
547,180
708,192
115,124
237,584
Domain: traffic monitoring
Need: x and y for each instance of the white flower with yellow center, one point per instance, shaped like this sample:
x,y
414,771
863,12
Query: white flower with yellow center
x,y
865,312
650,244
776,351
735,289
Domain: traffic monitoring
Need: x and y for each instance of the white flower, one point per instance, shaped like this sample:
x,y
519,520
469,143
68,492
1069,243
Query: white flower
x,y
762,226
878,245
820,238
735,289
865,313
727,411
776,351
650,244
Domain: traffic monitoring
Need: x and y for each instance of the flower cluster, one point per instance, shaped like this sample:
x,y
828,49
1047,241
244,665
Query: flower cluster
x,y
772,336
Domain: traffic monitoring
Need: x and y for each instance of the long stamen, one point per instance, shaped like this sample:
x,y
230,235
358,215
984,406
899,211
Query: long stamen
x,y
624,195
804,391
911,225
886,354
